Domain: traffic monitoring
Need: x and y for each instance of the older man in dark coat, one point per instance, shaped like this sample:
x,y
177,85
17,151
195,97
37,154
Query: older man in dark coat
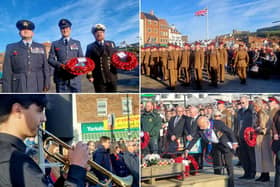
x,y
246,153
223,142
178,130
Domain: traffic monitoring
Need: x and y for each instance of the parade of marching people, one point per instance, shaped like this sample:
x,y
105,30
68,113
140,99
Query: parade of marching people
x,y
235,135
200,48
193,63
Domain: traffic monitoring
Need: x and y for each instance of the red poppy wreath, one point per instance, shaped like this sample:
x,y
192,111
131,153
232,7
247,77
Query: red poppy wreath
x,y
80,65
124,60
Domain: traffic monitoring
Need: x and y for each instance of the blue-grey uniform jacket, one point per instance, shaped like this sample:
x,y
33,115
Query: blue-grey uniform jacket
x,y
60,54
25,69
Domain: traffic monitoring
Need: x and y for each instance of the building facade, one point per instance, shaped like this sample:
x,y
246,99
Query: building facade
x,y
175,37
98,114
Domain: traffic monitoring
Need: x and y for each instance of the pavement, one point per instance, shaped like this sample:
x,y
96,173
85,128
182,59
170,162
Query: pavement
x,y
238,172
128,82
231,84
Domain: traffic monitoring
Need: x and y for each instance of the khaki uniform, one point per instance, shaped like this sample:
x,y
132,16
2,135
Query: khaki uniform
x,y
177,62
223,61
147,62
206,63
213,60
240,63
198,63
185,65
163,59
154,63
172,68
263,152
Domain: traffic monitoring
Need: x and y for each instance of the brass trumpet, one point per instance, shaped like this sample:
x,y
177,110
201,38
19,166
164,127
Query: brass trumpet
x,y
119,181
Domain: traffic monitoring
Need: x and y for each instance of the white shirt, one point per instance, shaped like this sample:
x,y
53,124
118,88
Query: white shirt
x,y
213,138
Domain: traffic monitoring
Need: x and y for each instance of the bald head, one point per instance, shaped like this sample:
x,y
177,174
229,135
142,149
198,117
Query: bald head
x,y
203,122
149,106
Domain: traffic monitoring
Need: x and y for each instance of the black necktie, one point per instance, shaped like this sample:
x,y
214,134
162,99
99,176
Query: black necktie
x,y
27,45
65,42
101,44
176,120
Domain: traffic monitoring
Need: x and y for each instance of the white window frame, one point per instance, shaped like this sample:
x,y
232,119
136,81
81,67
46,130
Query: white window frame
x,y
98,111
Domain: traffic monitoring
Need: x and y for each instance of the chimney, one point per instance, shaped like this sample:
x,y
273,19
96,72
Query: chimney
x,y
152,12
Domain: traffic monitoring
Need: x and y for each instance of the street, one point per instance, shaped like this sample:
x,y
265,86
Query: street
x,y
128,81
231,84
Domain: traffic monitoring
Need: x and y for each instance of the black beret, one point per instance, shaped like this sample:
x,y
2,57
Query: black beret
x,y
63,23
25,24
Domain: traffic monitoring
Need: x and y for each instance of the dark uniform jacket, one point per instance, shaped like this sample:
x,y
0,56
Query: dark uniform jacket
x,y
151,123
223,133
132,163
25,69
104,72
60,54
19,170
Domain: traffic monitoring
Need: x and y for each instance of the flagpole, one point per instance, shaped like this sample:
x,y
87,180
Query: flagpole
x,y
207,37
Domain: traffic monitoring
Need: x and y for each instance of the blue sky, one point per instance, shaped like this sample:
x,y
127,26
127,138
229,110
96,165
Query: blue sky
x,y
119,16
224,15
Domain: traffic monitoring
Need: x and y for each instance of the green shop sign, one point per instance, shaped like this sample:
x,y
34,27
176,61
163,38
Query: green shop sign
x,y
92,127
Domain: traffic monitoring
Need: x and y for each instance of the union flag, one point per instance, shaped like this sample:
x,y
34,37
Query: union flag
x,y
203,12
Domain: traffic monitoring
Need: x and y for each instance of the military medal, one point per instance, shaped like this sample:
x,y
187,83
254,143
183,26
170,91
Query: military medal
x,y
37,50
74,47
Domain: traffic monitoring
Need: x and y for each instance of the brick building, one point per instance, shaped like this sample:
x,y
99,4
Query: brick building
x,y
93,111
153,30
163,31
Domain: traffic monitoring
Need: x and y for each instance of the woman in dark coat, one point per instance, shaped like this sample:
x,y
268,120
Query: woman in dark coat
x,y
119,167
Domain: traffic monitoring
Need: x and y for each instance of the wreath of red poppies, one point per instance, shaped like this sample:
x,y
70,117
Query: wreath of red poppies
x,y
193,165
124,60
250,136
145,140
80,65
